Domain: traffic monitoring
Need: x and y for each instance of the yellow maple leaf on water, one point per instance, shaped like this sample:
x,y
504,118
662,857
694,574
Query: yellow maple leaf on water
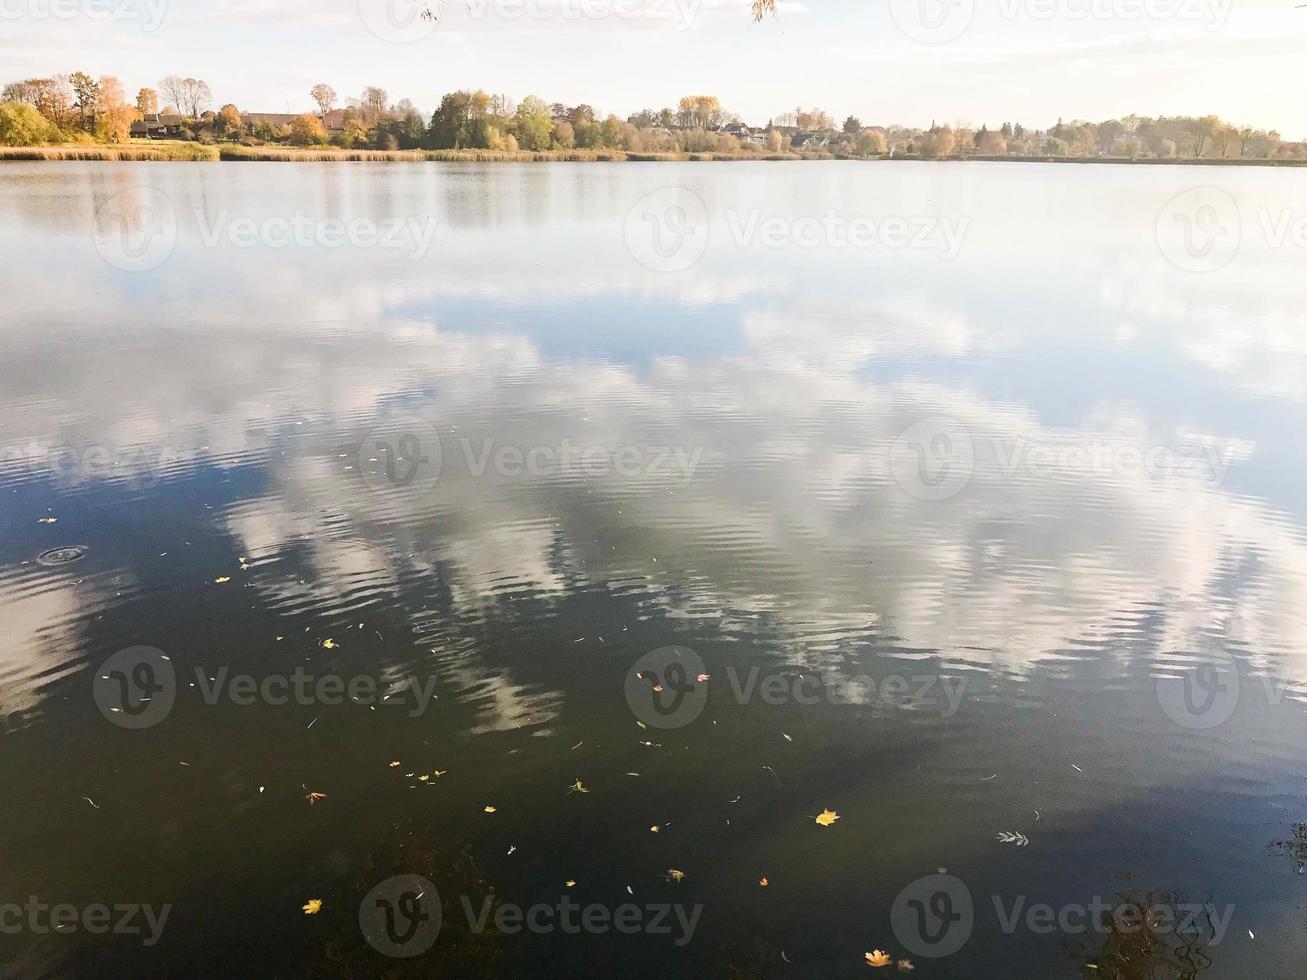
x,y
578,787
570,882
423,778
763,882
223,579
878,957
329,644
827,817
490,809
312,906
674,875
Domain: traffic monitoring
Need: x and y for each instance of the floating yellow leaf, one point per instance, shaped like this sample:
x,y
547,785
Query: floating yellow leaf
x,y
490,809
827,817
48,520
704,677
763,882
329,644
222,579
423,779
577,787
394,764
878,958
314,797
674,875
569,883
312,906
438,772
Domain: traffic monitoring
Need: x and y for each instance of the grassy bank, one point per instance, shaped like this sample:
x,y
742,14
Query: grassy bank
x,y
181,150
129,151
287,153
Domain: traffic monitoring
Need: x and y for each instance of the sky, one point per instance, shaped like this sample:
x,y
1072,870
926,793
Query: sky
x,y
885,61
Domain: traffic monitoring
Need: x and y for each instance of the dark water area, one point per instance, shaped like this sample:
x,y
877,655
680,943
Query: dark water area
x,y
963,502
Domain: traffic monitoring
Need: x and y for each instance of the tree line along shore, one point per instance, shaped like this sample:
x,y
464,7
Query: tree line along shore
x,y
76,117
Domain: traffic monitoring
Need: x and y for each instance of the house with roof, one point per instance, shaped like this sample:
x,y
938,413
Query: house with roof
x,y
158,126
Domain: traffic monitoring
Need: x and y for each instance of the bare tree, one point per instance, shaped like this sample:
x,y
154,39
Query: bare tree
x,y
197,97
325,96
174,90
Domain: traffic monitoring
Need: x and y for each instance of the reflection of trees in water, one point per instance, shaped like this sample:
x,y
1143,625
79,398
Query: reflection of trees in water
x,y
1174,948
458,950
1295,847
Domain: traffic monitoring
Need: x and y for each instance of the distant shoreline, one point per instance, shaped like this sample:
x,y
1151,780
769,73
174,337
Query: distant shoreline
x,y
202,153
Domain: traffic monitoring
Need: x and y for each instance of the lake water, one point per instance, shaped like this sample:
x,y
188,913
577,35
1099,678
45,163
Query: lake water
x,y
968,498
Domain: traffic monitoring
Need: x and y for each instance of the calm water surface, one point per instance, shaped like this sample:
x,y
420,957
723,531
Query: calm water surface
x,y
996,528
